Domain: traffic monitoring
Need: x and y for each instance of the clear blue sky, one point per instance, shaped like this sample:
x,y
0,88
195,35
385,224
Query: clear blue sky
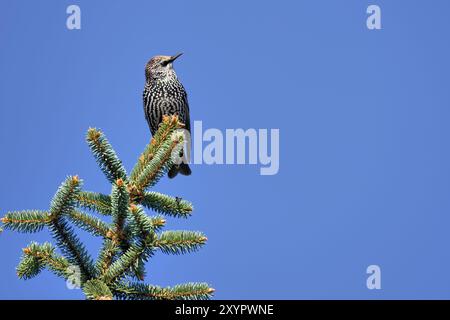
x,y
363,116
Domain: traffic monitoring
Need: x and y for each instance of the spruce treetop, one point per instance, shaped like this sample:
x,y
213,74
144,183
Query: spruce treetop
x,y
132,237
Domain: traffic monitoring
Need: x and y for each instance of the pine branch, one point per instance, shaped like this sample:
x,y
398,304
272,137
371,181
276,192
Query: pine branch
x,y
36,257
90,224
130,240
97,290
123,264
138,270
61,205
120,200
140,291
162,160
96,202
131,233
29,266
180,242
105,155
119,210
64,199
167,205
165,130
72,248
142,225
106,256
26,221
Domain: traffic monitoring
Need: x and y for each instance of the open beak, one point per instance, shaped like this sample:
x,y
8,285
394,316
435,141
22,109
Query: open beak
x,y
173,58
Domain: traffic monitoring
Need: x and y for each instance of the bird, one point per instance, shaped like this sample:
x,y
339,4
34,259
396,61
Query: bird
x,y
164,95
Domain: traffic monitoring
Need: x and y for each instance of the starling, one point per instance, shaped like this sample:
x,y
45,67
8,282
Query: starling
x,y
165,95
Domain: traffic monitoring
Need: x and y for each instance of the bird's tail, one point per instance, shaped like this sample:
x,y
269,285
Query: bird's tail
x,y
182,168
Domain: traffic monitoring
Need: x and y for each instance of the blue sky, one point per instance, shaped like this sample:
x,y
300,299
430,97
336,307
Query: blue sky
x,y
363,116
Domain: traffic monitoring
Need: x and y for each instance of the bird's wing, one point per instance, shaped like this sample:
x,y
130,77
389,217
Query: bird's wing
x,y
151,114
186,111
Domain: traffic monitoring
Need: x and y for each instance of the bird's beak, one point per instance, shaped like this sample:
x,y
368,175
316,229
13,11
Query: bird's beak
x,y
173,58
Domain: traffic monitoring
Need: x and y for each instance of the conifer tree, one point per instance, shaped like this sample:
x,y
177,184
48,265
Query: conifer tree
x,y
129,240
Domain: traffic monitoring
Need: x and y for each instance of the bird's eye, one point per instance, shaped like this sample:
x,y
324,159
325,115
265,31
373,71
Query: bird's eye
x,y
164,63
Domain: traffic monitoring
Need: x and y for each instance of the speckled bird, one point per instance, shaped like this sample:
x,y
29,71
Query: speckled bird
x,y
165,95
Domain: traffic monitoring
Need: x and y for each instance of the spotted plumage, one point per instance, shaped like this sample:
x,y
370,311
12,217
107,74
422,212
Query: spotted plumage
x,y
165,95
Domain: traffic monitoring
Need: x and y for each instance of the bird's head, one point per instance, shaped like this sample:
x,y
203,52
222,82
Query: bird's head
x,y
160,67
